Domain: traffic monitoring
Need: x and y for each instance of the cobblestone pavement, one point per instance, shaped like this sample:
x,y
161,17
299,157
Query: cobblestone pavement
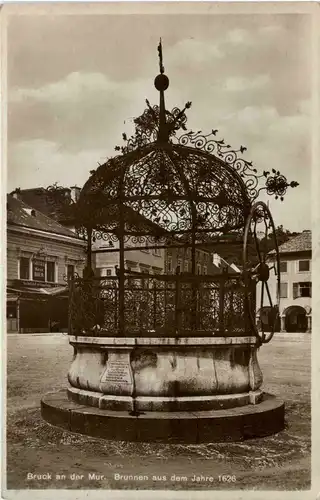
x,y
38,364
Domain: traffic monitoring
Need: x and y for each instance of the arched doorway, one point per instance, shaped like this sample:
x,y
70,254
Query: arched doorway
x,y
296,319
266,319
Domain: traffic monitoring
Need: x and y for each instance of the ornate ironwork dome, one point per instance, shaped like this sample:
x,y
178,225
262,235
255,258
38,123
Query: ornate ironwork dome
x,y
162,186
177,190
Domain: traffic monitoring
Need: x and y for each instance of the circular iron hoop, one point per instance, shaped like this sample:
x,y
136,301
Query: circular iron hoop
x,y
260,212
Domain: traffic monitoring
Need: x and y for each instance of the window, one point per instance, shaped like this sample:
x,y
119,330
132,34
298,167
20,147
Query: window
x,y
186,266
198,269
304,265
51,272
283,290
179,265
24,268
283,267
70,271
303,289
205,271
39,270
106,271
169,264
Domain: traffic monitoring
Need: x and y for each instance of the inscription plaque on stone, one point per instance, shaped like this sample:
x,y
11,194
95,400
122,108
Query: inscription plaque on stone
x,y
117,376
117,371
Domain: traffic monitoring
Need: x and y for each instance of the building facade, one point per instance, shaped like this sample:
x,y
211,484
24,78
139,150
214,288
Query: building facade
x,y
144,260
158,261
296,284
41,255
207,262
181,259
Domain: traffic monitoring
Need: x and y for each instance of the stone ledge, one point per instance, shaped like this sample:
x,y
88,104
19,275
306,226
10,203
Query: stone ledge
x,y
161,341
179,427
162,403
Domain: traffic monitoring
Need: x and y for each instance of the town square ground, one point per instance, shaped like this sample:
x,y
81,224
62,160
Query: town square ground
x,y
40,456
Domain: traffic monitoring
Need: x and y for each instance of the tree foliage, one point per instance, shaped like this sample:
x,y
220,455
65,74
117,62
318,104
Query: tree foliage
x,y
234,254
282,235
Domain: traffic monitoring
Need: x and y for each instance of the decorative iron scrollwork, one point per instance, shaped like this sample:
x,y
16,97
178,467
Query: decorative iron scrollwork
x,y
159,305
276,184
147,127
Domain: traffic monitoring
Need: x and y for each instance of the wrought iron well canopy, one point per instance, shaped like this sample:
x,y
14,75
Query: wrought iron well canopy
x,y
173,191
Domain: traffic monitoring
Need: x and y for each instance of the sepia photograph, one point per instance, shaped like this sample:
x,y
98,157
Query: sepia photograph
x,y
158,229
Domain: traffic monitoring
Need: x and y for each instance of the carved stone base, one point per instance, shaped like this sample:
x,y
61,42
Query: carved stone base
x,y
165,369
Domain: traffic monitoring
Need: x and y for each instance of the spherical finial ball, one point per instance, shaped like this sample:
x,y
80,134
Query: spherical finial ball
x,y
161,82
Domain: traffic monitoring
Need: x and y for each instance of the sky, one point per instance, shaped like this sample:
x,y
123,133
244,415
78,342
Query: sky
x,y
76,82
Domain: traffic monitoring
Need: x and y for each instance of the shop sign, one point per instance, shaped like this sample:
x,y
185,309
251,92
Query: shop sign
x,y
39,267
34,284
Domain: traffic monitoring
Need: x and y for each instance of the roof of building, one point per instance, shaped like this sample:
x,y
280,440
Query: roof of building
x,y
43,200
21,214
300,243
36,198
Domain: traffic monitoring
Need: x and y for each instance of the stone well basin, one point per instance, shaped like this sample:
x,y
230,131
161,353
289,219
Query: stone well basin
x,y
165,374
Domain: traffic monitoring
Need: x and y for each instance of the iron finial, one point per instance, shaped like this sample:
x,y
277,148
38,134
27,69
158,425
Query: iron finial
x,y
160,57
161,83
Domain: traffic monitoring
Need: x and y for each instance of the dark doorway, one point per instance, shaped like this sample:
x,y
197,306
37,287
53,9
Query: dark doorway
x,y
296,319
58,312
34,314
266,320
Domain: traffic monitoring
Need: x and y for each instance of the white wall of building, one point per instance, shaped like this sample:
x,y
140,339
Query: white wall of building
x,y
145,260
292,285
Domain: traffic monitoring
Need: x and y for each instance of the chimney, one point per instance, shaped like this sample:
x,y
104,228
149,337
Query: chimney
x,y
16,193
75,193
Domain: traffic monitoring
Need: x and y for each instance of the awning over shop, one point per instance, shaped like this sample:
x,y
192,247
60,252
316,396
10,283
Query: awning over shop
x,y
11,297
49,291
30,292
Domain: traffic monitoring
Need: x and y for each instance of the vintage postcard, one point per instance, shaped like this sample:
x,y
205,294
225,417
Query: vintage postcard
x,y
161,227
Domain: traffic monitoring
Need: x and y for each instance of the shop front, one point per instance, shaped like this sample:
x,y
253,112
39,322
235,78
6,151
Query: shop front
x,y
32,309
